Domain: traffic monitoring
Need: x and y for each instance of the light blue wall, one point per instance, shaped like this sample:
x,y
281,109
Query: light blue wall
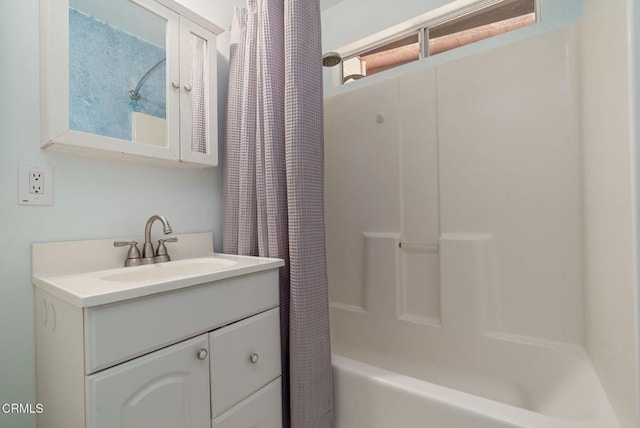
x,y
104,64
93,199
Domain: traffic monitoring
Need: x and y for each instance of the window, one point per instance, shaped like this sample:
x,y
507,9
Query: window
x,y
431,38
390,55
487,22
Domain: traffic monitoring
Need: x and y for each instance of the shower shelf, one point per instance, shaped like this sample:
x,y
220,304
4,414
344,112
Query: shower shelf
x,y
431,246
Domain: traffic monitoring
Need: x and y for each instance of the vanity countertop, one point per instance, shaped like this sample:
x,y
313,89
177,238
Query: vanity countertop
x,y
109,286
90,273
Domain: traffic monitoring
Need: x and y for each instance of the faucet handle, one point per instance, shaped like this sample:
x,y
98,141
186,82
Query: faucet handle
x,y
161,252
172,239
124,243
133,256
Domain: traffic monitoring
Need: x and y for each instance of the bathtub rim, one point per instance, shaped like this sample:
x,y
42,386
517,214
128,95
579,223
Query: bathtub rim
x,y
466,402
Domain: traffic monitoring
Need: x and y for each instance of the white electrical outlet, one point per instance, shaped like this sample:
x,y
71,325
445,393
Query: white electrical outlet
x,y
35,183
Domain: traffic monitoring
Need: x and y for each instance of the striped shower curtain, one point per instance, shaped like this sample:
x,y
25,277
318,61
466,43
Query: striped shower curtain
x,y
273,185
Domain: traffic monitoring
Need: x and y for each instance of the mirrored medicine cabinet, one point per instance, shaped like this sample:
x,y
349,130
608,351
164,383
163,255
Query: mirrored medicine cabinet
x,y
129,79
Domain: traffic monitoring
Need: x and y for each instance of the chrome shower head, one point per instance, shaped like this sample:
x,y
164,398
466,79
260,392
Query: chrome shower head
x,y
331,59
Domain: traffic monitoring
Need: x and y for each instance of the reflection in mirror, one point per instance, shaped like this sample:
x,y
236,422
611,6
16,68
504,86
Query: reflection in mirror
x,y
115,48
199,107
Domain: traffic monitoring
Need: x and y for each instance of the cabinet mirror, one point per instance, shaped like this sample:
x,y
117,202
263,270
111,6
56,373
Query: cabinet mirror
x,y
117,71
124,77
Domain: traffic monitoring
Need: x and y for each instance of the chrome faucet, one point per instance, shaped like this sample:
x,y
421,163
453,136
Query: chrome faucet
x,y
148,255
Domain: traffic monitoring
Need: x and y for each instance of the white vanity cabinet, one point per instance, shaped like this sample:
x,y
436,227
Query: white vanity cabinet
x,y
159,47
203,355
167,388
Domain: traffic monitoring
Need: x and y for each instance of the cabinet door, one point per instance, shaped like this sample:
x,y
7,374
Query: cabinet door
x,y
198,99
245,356
105,69
262,410
165,389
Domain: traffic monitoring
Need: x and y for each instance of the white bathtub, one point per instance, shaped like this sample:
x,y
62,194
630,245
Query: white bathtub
x,y
459,367
368,396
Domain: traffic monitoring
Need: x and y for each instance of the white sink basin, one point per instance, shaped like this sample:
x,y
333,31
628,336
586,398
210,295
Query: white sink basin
x,y
101,287
170,270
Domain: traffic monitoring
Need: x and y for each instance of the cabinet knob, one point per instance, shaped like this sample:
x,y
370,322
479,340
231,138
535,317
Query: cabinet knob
x,y
187,87
175,84
202,354
253,358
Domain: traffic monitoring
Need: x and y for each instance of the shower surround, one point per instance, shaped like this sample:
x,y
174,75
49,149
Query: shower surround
x,y
454,236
